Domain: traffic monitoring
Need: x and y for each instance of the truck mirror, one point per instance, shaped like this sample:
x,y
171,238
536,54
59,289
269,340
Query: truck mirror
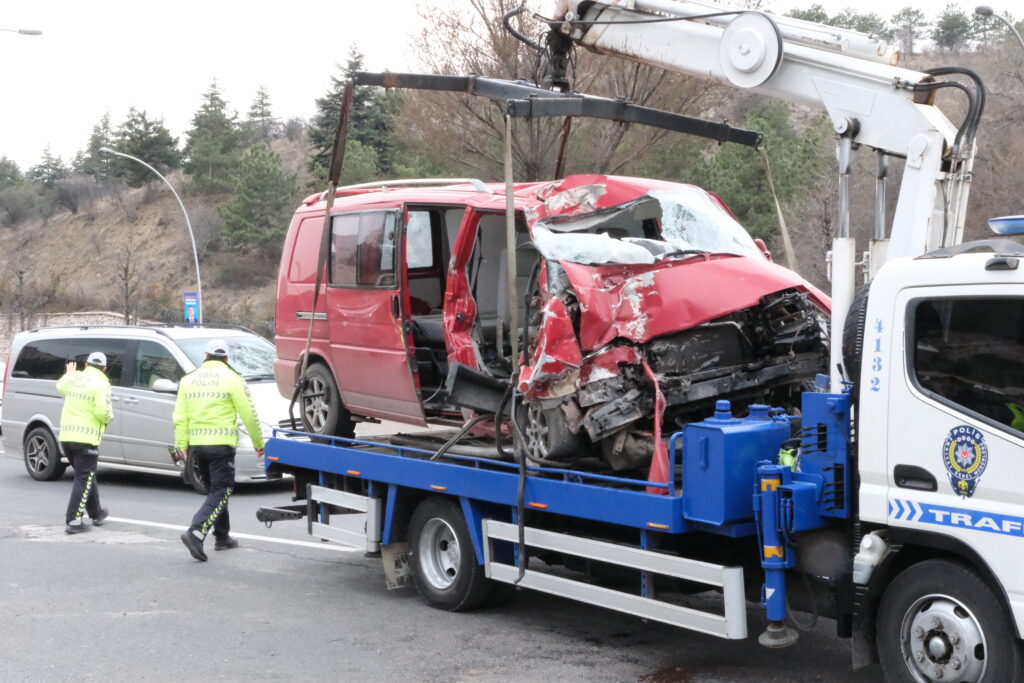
x,y
764,248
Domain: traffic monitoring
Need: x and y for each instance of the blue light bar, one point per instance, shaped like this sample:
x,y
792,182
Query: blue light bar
x,y
1007,225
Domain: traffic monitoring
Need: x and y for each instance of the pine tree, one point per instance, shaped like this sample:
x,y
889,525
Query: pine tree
x,y
256,219
737,175
952,29
815,13
261,124
370,121
147,140
909,23
91,161
10,174
49,170
214,143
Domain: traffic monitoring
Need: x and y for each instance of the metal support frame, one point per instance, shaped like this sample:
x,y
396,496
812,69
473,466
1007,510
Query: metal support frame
x,y
525,100
356,503
731,625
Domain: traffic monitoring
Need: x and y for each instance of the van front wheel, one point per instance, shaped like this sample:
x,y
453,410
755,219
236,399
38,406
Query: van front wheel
x,y
42,455
322,411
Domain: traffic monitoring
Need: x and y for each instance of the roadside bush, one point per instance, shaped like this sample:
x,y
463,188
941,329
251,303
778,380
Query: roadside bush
x,y
17,203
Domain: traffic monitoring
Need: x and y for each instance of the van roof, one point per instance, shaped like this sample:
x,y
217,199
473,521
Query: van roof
x,y
169,330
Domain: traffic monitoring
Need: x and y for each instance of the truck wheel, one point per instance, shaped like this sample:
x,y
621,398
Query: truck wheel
x,y
322,411
42,455
853,334
444,566
193,476
939,621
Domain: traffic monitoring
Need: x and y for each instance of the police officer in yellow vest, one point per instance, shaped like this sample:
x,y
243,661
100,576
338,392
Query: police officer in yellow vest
x,y
87,412
210,401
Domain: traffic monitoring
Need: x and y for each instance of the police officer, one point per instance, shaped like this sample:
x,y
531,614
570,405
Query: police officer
x,y
210,401
86,414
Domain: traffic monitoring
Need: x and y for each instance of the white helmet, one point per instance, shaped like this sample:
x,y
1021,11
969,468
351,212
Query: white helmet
x,y
97,358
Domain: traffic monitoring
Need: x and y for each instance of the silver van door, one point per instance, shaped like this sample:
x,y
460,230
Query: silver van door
x,y
148,427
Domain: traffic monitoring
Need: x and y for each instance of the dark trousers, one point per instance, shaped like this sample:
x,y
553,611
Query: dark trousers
x,y
217,471
85,495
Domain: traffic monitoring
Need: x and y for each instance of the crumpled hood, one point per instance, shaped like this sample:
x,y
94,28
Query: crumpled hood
x,y
641,302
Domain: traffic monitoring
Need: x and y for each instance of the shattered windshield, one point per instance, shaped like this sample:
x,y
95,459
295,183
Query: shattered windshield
x,y
665,223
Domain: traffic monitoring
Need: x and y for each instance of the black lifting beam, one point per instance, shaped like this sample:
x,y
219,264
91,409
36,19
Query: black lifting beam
x,y
523,100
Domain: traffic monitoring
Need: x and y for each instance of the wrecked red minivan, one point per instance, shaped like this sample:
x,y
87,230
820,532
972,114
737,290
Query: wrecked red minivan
x,y
640,302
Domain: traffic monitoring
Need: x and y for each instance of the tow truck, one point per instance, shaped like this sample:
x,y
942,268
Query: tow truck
x,y
888,502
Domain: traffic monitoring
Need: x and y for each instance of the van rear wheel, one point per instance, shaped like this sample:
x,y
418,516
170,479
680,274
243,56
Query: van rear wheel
x,y
42,455
322,411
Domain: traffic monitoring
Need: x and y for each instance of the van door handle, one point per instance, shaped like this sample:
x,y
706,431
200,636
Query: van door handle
x,y
395,311
914,477
131,400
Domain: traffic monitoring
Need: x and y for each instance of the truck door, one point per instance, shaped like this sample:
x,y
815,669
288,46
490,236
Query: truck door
x,y
366,317
956,437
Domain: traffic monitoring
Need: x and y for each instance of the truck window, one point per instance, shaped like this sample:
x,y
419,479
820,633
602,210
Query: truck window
x,y
419,243
363,249
969,353
43,359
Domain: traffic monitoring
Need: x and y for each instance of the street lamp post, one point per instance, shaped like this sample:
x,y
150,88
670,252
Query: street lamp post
x,y
986,11
188,223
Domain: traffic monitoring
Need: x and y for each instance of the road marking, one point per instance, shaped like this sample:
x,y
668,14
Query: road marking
x,y
252,537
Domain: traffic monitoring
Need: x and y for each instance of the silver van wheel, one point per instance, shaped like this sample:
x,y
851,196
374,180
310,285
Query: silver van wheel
x,y
439,553
42,455
37,454
317,406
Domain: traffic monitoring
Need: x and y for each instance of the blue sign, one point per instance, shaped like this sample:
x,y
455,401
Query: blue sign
x,y
976,520
191,308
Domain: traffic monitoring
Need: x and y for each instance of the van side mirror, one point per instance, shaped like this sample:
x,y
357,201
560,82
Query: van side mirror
x,y
764,248
165,386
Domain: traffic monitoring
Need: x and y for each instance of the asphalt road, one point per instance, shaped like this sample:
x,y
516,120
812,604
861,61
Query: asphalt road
x,y
126,602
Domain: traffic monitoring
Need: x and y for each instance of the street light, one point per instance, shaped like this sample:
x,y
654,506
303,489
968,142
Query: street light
x,y
24,31
191,235
986,11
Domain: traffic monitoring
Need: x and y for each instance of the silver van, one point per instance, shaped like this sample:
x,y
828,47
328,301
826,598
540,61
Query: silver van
x,y
144,365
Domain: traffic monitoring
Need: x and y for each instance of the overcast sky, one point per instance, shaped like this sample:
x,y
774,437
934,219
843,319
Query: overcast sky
x,y
98,56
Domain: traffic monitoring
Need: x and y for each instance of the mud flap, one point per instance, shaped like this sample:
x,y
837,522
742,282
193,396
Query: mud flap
x,y
397,571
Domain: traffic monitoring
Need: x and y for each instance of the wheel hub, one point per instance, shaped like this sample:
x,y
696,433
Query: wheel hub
x,y
439,553
315,406
36,454
942,641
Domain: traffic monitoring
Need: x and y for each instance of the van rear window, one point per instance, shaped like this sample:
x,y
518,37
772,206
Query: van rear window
x,y
44,359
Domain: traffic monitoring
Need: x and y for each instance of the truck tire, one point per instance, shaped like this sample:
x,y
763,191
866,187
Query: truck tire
x,y
322,411
853,335
939,621
42,455
444,566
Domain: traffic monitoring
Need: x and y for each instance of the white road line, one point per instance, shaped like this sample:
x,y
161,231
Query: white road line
x,y
253,537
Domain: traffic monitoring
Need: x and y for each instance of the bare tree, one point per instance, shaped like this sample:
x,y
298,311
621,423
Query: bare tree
x,y
128,276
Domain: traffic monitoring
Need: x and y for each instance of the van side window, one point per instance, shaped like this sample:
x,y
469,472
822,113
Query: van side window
x,y
114,349
419,243
363,249
153,362
44,359
969,352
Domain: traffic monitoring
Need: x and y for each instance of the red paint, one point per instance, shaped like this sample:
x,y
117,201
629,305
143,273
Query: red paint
x,y
641,302
603,364
556,353
659,472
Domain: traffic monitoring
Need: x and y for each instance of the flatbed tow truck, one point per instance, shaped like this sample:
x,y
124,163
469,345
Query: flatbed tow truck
x,y
891,503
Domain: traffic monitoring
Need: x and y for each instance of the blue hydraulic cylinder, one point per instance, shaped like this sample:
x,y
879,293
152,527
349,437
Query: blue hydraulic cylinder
x,y
776,554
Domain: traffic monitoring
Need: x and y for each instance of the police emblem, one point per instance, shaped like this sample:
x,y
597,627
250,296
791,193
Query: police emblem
x,y
965,455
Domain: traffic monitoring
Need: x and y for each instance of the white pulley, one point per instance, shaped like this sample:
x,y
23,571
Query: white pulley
x,y
751,49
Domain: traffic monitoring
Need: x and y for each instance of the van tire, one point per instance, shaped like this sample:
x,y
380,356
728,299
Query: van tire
x,y
324,413
192,477
938,611
42,455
